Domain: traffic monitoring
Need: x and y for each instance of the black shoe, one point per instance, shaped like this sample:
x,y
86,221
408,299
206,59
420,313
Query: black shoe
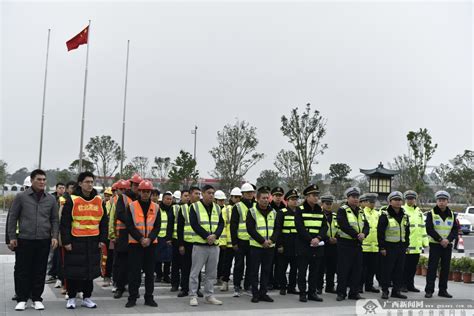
x,y
372,290
157,279
270,287
428,295
166,280
319,291
330,290
199,293
292,291
413,289
174,289
14,297
130,303
356,297
183,294
266,298
385,295
404,290
340,298
361,291
282,292
303,298
118,294
314,297
444,294
254,299
397,294
151,302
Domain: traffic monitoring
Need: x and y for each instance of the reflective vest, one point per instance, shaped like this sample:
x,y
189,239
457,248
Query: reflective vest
x,y
176,209
288,222
370,243
188,232
225,239
62,201
395,232
312,221
242,231
443,228
418,236
164,223
119,225
357,223
333,228
142,224
86,216
108,206
264,225
209,224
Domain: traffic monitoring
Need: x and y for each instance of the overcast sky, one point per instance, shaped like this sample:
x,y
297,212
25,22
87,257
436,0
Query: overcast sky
x,y
374,70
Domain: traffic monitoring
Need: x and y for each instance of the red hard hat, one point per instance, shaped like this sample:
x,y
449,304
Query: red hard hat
x,y
145,185
136,178
123,184
114,186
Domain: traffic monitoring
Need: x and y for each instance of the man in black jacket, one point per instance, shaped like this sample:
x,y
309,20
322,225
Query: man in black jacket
x,y
164,248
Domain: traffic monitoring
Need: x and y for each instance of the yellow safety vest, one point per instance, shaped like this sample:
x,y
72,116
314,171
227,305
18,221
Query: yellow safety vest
x,y
288,222
443,228
312,221
225,239
395,232
176,209
370,243
209,224
418,236
164,224
357,223
188,232
264,225
333,228
243,210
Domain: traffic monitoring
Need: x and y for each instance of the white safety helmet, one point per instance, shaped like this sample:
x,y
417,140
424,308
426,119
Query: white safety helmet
x,y
219,195
27,182
177,195
236,192
160,198
247,187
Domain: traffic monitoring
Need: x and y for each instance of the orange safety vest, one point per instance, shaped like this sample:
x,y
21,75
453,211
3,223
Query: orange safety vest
x,y
143,226
86,216
119,225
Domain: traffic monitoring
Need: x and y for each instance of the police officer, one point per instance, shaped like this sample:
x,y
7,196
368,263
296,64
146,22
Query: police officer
x,y
143,223
263,226
329,262
353,229
370,248
277,204
442,229
393,234
286,246
312,227
418,240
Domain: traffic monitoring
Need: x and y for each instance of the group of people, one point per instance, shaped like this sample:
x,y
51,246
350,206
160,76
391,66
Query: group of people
x,y
256,236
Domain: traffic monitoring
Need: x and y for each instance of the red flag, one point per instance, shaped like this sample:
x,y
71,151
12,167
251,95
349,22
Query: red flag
x,y
78,40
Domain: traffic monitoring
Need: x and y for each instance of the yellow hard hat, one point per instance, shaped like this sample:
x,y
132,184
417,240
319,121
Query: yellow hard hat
x,y
108,191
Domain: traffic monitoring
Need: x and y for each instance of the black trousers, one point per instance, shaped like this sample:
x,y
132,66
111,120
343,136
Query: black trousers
x,y
370,264
84,286
229,257
109,264
242,261
186,267
31,264
409,271
139,259
281,273
261,261
221,263
392,267
438,255
175,265
304,262
162,270
121,269
55,263
328,267
274,279
349,268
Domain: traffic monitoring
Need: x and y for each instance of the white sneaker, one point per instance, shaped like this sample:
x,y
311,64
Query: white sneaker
x,y
81,295
249,292
224,286
114,289
87,302
21,306
71,303
237,293
193,301
37,305
66,296
212,300
58,284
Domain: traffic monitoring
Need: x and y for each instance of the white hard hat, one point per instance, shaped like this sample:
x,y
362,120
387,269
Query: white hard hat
x,y
247,187
27,182
236,192
177,194
219,195
160,198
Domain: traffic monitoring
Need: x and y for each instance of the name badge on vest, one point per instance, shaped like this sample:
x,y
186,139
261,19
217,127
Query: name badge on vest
x,y
449,223
437,222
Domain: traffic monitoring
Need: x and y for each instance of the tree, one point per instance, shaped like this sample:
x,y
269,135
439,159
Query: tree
x,y
86,166
64,175
440,175
406,177
105,153
269,178
462,173
235,153
287,165
421,150
183,171
140,164
3,172
127,172
162,167
338,173
305,132
20,175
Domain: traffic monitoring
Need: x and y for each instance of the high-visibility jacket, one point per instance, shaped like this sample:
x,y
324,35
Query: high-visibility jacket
x,y
312,221
208,223
443,228
395,231
370,243
333,228
108,206
86,216
119,225
176,208
418,236
164,223
264,225
142,224
288,222
356,222
242,233
62,200
188,232
225,239
112,217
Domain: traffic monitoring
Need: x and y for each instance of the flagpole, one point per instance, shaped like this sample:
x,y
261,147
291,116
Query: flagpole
x,y
84,99
124,110
44,100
